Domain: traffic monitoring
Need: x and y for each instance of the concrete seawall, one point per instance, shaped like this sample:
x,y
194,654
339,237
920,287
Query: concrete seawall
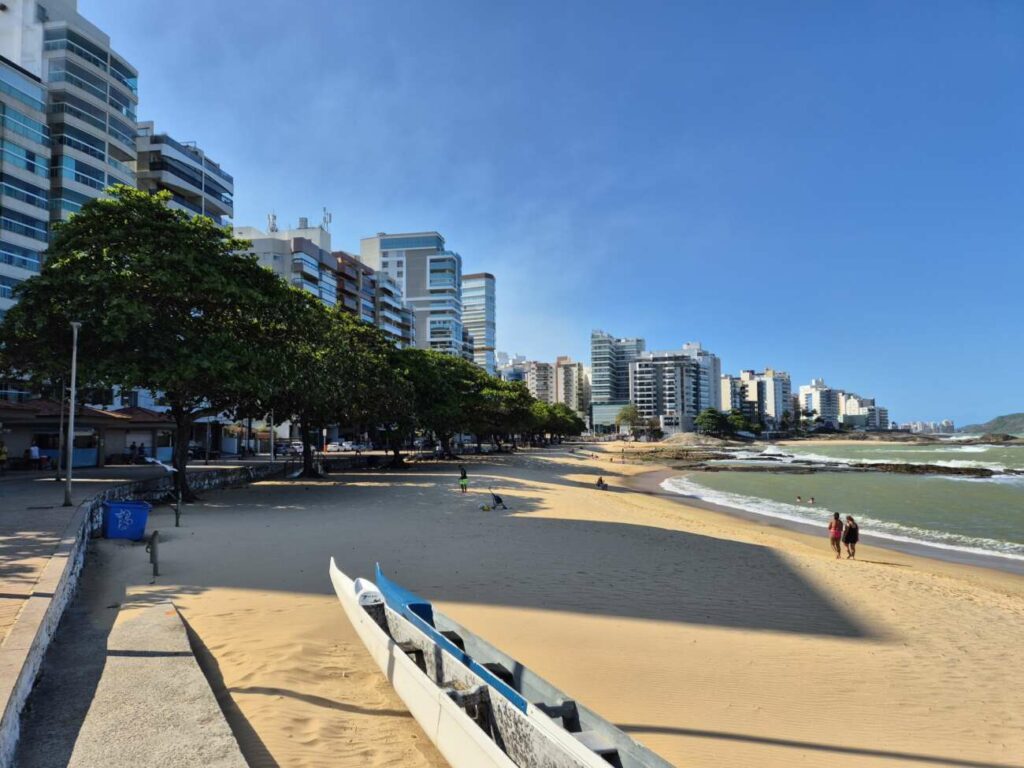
x,y
25,645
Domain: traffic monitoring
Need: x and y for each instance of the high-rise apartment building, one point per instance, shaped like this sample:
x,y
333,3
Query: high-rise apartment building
x,y
303,257
732,393
68,126
666,386
24,178
675,386
822,400
540,380
609,375
572,385
708,388
478,317
777,396
93,93
197,184
431,281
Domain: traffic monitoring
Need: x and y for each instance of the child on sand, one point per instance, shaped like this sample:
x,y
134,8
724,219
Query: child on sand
x,y
496,500
851,535
835,534
463,479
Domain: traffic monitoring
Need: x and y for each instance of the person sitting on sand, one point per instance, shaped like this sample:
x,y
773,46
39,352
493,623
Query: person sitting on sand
x,y
835,533
851,534
601,484
463,479
496,500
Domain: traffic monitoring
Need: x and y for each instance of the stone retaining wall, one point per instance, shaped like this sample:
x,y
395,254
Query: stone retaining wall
x,y
22,653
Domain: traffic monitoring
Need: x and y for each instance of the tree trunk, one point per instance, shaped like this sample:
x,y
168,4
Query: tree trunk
x,y
183,424
307,453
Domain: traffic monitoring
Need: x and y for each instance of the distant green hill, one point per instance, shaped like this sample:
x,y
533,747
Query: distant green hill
x,y
1010,424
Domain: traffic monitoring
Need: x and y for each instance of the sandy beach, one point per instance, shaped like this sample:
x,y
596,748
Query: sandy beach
x,y
713,639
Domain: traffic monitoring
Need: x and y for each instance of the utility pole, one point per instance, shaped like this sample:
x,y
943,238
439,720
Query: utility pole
x,y
71,414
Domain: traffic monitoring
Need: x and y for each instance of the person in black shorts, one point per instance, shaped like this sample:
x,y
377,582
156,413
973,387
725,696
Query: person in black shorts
x,y
851,534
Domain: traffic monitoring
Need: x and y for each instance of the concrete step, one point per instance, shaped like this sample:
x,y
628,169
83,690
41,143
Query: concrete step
x,y
153,705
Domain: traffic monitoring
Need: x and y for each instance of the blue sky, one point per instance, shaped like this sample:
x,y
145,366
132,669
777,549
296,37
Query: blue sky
x,y
831,188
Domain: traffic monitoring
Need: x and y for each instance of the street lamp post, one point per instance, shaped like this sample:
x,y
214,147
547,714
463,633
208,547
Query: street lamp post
x,y
71,414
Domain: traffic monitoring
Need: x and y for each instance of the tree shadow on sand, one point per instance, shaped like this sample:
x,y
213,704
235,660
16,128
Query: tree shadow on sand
x,y
448,549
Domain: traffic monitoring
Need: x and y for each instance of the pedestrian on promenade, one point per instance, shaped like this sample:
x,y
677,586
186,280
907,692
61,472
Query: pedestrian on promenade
x,y
851,535
835,534
33,455
463,479
3,458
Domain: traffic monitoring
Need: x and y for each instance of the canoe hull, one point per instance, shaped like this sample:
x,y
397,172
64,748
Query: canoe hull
x,y
457,737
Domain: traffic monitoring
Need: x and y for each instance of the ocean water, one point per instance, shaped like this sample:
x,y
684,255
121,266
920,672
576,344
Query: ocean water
x,y
976,516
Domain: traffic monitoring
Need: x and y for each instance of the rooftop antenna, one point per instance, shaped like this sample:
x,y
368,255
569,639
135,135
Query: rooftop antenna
x,y
272,222
326,222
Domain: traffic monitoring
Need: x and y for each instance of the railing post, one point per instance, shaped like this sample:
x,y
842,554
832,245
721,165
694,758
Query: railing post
x,y
154,553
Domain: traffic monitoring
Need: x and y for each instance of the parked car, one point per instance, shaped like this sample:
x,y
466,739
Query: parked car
x,y
334,447
288,449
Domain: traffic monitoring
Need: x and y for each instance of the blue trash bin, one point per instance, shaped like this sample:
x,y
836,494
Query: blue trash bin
x,y
125,519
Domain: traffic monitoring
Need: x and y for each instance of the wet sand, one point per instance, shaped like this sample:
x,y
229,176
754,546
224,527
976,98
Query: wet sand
x,y
714,640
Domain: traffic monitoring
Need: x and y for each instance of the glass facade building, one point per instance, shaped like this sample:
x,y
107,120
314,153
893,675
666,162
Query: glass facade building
x,y
478,317
91,109
430,278
25,151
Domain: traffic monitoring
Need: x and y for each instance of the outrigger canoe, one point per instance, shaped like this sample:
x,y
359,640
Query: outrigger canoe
x,y
479,706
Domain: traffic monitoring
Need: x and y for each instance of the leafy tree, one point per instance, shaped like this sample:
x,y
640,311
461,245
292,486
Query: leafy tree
x,y
166,303
446,393
713,422
630,416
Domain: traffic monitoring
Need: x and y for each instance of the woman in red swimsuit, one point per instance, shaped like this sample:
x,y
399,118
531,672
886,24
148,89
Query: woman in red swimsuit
x,y
835,534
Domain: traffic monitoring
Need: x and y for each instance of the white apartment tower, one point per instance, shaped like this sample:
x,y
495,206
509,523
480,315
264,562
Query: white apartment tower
x,y
431,281
572,385
822,400
540,380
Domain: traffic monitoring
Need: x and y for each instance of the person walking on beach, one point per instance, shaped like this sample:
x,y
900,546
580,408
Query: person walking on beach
x,y
463,479
851,535
835,534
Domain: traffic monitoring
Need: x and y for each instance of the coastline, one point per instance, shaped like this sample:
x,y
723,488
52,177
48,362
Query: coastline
x,y
649,483
710,638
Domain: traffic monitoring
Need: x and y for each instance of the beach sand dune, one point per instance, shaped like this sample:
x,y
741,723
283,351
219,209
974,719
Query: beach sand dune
x,y
714,640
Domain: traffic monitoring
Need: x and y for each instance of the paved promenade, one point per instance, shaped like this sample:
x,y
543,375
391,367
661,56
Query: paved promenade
x,y
32,519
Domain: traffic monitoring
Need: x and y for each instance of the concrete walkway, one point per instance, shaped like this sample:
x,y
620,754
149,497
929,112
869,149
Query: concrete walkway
x,y
32,520
153,706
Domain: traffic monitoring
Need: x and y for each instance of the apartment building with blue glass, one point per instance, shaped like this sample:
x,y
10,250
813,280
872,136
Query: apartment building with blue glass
x,y
479,305
24,178
430,278
68,126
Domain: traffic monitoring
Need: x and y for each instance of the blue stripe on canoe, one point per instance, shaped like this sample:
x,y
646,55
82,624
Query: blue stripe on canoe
x,y
420,613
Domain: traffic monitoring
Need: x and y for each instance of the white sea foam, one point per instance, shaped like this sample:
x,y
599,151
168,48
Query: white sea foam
x,y
819,459
819,515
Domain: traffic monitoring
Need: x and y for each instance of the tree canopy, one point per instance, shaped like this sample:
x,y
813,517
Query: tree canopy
x,y
175,305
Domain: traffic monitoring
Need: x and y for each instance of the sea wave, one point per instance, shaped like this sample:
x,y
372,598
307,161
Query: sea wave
x,y
820,514
777,454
